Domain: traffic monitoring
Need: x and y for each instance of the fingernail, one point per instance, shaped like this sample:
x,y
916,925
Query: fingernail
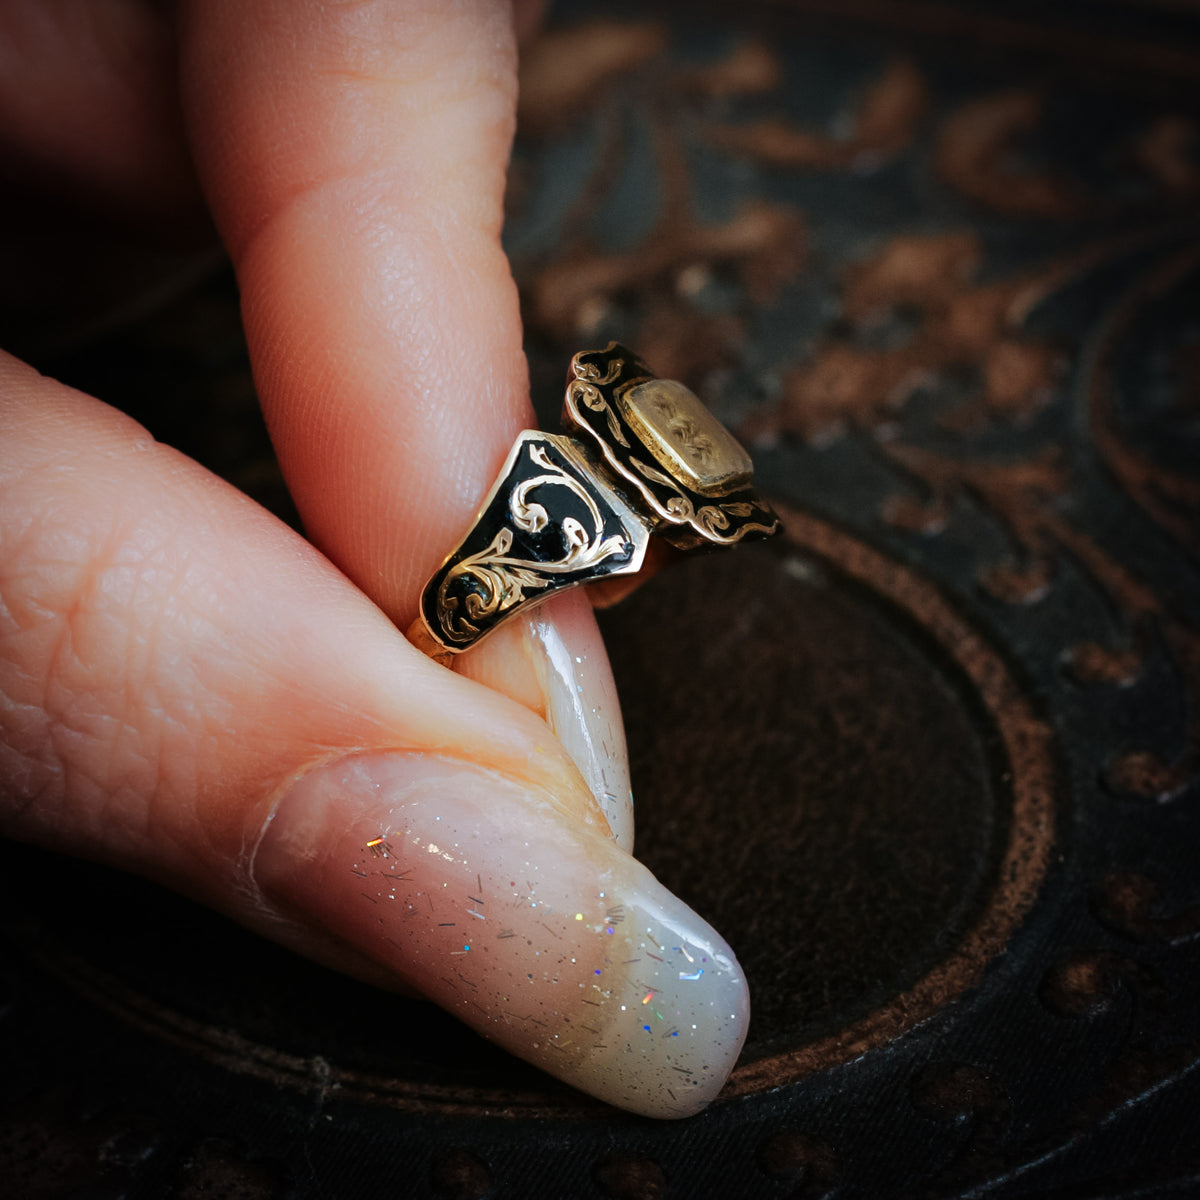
x,y
542,935
553,660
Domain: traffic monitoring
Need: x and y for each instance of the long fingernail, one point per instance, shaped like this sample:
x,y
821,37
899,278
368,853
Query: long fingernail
x,y
539,933
553,660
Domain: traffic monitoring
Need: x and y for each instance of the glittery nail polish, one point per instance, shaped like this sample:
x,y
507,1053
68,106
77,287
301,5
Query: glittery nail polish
x,y
538,932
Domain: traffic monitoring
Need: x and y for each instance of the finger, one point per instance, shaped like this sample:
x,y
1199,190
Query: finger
x,y
355,157
189,690
553,661
582,962
100,210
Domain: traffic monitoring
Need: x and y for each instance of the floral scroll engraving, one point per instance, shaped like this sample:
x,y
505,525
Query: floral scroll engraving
x,y
498,580
585,391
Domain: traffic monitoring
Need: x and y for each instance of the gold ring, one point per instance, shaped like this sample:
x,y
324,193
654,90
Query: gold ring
x,y
639,457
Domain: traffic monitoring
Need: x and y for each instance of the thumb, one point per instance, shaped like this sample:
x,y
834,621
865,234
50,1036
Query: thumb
x,y
189,690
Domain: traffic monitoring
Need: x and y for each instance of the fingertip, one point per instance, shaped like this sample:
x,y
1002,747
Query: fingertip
x,y
534,929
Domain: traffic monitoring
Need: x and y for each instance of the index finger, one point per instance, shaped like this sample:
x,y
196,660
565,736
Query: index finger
x,y
354,156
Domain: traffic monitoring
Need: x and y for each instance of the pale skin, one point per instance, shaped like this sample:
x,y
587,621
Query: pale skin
x,y
173,659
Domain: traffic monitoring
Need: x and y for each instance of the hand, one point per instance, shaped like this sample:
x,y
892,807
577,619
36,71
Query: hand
x,y
190,690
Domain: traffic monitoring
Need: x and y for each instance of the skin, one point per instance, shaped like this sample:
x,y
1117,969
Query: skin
x,y
176,666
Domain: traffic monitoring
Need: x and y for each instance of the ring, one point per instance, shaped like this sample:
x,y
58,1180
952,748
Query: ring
x,y
639,457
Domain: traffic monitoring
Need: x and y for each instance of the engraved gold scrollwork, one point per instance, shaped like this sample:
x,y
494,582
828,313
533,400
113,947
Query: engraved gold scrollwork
x,y
589,371
652,473
758,527
507,581
591,396
714,518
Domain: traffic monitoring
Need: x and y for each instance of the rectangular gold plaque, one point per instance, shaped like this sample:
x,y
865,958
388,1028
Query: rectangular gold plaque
x,y
686,440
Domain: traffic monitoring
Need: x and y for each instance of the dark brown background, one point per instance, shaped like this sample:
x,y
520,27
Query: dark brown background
x,y
930,762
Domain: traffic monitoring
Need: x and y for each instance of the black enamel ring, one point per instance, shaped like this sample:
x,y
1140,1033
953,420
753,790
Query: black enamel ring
x,y
639,457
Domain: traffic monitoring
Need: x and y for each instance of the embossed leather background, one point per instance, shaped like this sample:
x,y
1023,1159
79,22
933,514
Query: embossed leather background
x,y
930,762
